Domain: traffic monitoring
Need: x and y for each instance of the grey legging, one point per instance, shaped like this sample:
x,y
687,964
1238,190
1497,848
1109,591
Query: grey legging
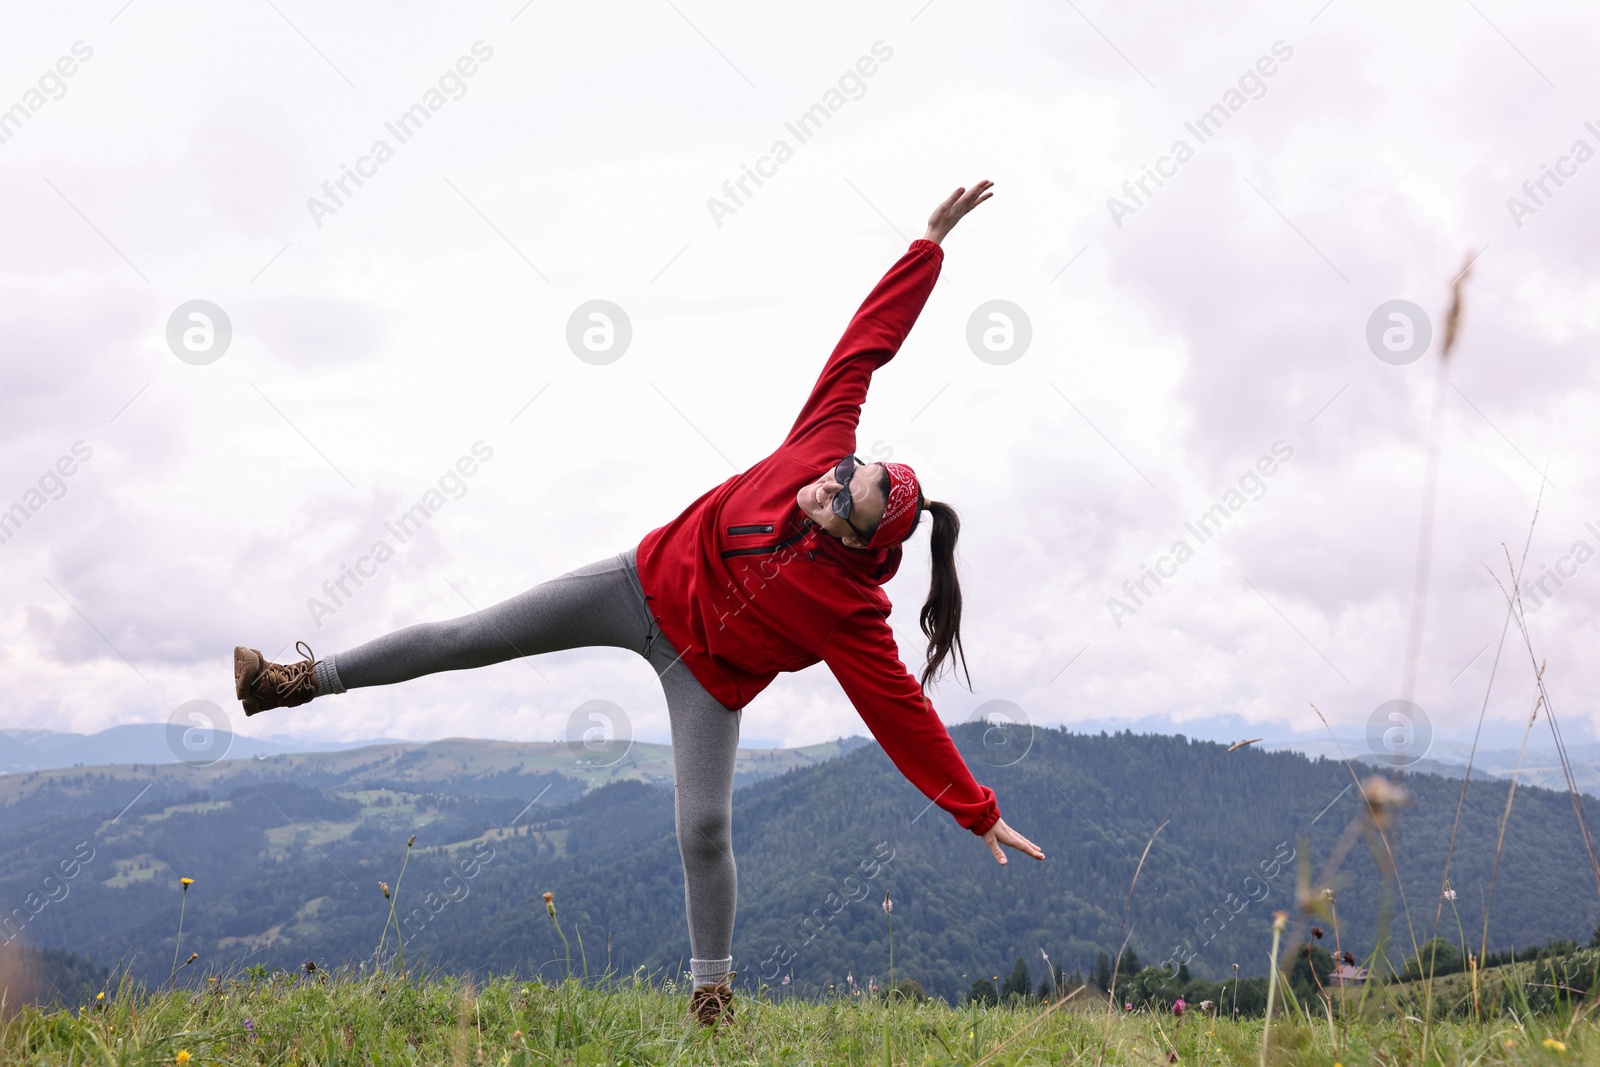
x,y
601,604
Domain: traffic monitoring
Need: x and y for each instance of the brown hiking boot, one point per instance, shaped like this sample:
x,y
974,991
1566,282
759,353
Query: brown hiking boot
x,y
713,1003
261,685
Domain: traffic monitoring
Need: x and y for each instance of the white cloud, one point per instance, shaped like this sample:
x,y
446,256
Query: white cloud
x,y
371,351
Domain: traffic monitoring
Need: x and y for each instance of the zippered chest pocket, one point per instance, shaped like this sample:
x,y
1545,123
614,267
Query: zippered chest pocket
x,y
759,538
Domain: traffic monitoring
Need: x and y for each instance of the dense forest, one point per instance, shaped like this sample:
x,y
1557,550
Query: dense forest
x,y
288,871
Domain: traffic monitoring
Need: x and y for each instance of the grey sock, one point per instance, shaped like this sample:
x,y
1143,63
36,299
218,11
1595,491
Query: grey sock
x,y
709,972
327,678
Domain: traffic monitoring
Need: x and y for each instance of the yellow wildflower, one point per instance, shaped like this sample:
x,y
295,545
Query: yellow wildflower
x,y
1553,1045
182,1057
186,883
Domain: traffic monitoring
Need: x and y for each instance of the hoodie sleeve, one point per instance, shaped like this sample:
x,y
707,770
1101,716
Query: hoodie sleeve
x,y
826,427
861,653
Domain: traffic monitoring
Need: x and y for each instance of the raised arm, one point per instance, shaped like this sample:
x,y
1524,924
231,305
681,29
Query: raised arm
x,y
826,427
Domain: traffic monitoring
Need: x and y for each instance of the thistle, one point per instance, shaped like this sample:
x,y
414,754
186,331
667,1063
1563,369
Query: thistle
x,y
888,909
400,952
550,906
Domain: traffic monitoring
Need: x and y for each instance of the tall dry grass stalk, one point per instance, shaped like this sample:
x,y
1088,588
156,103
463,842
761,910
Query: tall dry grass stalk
x,y
1430,494
1515,595
1279,920
1424,564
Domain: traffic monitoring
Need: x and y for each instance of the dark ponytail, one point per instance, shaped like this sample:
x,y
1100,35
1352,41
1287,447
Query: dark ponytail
x,y
941,612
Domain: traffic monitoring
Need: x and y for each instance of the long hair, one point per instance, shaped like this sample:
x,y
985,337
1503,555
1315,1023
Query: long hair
x,y
940,617
941,612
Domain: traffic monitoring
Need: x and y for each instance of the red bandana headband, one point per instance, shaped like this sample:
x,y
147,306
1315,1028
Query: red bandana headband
x,y
905,499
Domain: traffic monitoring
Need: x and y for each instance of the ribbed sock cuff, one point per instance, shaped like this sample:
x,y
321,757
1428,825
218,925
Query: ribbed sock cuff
x,y
709,972
327,678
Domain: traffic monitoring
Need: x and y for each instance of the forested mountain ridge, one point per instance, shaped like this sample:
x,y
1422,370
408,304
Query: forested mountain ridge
x,y
287,871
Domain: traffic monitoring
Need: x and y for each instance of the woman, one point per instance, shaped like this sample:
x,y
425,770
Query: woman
x,y
774,570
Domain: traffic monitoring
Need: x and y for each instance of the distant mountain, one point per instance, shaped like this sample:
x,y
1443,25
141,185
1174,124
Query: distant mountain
x,y
38,750
141,743
461,767
287,854
1539,765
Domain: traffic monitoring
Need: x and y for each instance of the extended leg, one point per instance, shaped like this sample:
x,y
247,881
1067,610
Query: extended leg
x,y
593,605
600,604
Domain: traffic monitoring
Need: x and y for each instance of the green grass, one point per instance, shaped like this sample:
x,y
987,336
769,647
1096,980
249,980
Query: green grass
x,y
354,1019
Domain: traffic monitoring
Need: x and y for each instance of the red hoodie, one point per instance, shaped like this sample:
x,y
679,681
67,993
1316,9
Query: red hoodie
x,y
745,586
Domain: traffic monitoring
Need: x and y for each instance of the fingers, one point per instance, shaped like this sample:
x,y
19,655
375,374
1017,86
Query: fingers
x,y
977,195
999,857
1031,849
1022,844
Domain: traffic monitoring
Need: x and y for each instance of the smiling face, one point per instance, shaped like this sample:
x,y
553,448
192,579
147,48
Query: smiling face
x,y
867,503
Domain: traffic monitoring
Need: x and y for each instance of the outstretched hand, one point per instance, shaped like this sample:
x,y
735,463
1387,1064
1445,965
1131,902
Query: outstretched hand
x,y
954,208
1001,834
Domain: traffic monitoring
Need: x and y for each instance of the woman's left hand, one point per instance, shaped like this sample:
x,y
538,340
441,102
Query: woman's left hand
x,y
1001,834
954,208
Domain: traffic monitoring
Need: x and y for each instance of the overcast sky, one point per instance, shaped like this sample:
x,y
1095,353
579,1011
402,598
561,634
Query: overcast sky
x,y
1357,153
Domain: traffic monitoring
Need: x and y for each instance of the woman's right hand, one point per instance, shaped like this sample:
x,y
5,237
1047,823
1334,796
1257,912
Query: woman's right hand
x,y
1001,834
954,208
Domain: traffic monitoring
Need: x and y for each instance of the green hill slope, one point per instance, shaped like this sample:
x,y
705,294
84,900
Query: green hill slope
x,y
287,860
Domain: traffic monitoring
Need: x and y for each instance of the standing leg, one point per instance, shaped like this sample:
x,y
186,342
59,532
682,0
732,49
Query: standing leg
x,y
705,743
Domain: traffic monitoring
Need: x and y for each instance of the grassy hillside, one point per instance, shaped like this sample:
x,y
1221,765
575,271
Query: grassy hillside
x,y
314,1019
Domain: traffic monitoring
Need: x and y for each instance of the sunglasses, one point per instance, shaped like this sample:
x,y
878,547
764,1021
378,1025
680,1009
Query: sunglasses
x,y
842,502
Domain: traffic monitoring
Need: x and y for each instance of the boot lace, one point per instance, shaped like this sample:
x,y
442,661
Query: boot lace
x,y
711,1003
286,678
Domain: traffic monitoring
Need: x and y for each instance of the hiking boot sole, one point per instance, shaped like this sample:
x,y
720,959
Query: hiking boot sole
x,y
246,667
